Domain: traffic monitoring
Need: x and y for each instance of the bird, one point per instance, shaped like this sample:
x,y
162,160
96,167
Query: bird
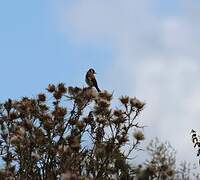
x,y
91,80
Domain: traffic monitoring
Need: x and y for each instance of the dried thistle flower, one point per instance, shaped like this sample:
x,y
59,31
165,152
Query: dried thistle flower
x,y
90,93
46,134
51,88
61,88
105,95
43,107
72,121
8,157
21,131
101,120
80,125
41,97
138,135
152,169
35,156
15,139
124,100
165,167
74,143
137,103
74,90
59,112
87,120
57,95
103,103
45,117
100,150
13,115
118,112
170,172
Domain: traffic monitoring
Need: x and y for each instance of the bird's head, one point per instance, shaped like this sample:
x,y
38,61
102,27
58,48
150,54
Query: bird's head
x,y
92,71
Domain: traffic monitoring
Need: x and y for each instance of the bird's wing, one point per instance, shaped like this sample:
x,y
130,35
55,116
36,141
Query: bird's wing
x,y
91,81
94,81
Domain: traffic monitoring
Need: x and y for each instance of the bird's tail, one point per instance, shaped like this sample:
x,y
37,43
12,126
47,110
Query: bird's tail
x,y
98,89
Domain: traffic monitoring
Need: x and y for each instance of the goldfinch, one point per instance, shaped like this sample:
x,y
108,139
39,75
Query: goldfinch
x,y
91,80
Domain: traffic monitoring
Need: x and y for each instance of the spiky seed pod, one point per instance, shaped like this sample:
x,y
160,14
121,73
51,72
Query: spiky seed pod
x,y
138,135
74,91
35,156
43,107
59,112
48,125
118,113
137,103
165,167
15,139
103,103
41,97
45,117
152,169
109,147
90,93
87,120
13,115
74,143
105,95
61,88
57,95
170,172
21,131
8,157
72,121
51,88
124,100
80,125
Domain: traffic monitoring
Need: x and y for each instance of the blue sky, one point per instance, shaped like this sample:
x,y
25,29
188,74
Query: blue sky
x,y
147,48
34,52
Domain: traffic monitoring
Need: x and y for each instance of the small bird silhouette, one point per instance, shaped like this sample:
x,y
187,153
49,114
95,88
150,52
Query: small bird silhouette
x,y
91,80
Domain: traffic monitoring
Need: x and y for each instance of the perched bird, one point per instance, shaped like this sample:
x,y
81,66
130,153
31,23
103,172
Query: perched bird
x,y
91,80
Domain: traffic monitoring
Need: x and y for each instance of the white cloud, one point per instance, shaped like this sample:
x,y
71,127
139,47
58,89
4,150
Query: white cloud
x,y
154,57
169,92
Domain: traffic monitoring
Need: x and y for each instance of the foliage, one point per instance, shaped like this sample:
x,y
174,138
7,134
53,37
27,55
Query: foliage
x,y
162,164
71,133
196,142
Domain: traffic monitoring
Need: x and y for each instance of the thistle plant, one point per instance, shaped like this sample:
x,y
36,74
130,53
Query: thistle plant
x,y
69,133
